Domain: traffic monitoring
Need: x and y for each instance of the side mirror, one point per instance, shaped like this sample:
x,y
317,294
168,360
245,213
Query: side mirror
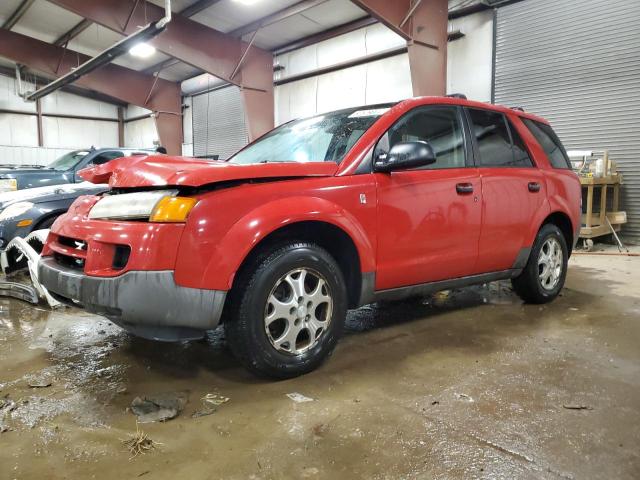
x,y
404,156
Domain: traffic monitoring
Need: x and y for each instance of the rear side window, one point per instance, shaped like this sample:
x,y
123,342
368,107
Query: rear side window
x,y
549,142
498,145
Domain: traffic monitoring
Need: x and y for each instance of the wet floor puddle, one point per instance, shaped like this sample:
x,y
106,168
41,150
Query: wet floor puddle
x,y
68,379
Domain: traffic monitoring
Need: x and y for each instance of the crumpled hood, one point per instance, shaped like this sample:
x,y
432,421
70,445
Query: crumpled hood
x,y
161,170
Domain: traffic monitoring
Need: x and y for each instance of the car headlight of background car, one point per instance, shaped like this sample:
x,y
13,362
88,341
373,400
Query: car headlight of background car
x,y
8,184
15,210
155,206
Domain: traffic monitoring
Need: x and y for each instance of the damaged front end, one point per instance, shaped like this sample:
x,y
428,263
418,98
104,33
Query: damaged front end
x,y
19,257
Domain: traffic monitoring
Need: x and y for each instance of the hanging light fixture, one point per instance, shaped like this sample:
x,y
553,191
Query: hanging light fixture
x,y
142,50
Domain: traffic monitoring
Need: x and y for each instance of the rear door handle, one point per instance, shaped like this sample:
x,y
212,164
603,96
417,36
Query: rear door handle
x,y
534,187
464,188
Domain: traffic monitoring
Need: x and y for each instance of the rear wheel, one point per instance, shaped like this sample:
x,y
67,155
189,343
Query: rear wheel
x,y
287,310
545,272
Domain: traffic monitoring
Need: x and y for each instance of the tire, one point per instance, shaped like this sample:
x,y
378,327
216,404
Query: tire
x,y
535,284
262,324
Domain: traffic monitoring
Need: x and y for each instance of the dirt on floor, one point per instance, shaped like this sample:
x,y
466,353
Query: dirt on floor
x,y
469,384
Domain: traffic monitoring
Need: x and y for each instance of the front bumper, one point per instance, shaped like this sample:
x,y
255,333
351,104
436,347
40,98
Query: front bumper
x,y
146,303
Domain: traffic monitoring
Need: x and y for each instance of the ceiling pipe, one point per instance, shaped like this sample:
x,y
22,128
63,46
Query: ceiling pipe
x,y
167,15
21,92
107,56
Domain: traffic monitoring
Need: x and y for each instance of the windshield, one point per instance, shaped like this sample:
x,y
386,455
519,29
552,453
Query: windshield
x,y
69,160
323,138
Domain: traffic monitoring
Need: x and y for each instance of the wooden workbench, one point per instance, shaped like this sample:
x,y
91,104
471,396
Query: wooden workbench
x,y
594,223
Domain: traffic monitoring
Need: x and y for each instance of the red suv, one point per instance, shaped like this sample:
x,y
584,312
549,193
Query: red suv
x,y
316,217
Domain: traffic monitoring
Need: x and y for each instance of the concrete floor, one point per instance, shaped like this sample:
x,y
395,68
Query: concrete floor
x,y
470,385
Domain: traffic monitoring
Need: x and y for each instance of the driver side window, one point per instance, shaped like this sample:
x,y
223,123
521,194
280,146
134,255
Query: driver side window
x,y
439,126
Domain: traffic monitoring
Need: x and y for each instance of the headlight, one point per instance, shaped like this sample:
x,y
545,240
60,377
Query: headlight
x,y
156,206
8,184
15,210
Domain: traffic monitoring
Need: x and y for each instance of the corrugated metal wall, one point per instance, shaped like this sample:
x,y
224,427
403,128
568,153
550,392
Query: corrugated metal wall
x,y
577,63
218,123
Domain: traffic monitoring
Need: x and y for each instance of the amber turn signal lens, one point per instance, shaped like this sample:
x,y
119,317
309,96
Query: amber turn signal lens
x,y
24,223
172,209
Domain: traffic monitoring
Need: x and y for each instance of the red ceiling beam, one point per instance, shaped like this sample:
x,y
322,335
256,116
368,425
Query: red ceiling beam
x,y
423,23
121,83
198,45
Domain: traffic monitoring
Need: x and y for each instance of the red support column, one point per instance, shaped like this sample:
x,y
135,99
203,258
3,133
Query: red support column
x,y
423,23
258,105
428,48
169,128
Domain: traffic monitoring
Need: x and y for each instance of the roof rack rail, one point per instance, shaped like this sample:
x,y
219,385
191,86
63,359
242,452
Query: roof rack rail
x,y
457,95
520,109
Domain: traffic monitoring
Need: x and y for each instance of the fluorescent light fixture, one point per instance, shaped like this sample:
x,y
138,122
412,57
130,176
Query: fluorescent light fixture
x,y
142,50
247,2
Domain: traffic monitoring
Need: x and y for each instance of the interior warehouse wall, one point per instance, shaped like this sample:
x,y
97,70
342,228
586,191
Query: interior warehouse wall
x,y
187,127
578,65
19,131
470,58
383,80
139,132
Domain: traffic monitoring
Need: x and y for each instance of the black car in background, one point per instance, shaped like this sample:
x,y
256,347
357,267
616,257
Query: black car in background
x,y
36,208
63,170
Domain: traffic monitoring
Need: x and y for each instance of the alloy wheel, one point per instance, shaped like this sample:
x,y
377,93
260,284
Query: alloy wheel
x,y
298,311
550,263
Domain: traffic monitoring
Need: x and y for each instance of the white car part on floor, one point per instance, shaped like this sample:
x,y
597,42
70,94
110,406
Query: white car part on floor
x,y
13,258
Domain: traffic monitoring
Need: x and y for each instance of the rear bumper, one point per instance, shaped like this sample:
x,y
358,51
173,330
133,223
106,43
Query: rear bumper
x,y
147,303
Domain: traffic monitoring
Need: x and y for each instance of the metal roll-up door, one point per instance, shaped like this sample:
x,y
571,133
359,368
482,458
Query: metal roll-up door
x,y
218,123
578,65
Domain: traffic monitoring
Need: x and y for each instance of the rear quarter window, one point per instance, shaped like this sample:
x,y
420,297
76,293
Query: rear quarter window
x,y
549,142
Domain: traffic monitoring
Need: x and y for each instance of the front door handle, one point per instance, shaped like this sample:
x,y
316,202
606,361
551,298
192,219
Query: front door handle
x,y
534,187
464,188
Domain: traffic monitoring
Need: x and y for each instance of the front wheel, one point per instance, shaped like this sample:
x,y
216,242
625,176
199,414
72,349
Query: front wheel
x,y
287,310
545,273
